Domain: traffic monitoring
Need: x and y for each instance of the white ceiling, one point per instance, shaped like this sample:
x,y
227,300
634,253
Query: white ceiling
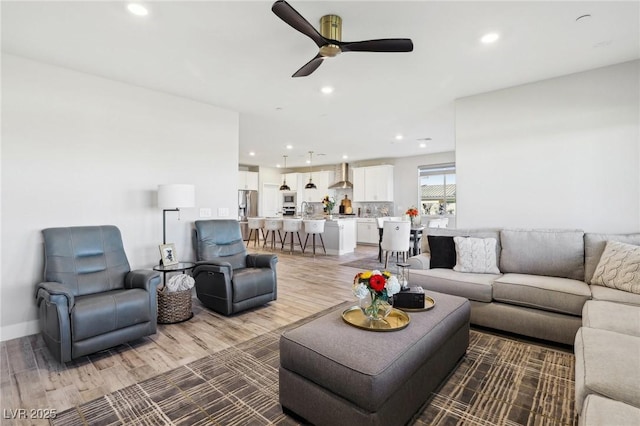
x,y
239,55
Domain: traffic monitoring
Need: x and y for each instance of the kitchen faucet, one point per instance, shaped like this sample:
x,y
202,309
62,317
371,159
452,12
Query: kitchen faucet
x,y
304,206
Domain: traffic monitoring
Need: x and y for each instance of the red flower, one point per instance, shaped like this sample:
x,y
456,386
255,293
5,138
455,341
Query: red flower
x,y
412,212
377,282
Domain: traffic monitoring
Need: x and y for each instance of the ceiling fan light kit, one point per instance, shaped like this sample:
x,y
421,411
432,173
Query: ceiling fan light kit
x,y
329,39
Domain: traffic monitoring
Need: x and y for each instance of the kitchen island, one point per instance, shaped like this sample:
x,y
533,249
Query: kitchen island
x,y
340,235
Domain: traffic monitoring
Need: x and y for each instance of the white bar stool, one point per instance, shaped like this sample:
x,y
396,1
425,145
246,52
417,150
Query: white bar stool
x,y
314,227
289,226
255,227
271,225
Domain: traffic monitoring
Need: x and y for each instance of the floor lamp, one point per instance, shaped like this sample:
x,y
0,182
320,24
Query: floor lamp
x,y
171,198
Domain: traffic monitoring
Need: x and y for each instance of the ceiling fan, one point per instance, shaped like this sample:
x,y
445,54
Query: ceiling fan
x,y
328,39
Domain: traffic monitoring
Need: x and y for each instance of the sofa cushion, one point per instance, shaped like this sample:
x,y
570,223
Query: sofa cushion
x,y
471,286
554,253
594,246
612,316
598,411
554,294
451,232
443,252
476,255
613,295
614,374
100,313
619,267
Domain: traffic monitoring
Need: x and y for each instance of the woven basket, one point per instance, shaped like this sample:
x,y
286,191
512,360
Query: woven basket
x,y
174,306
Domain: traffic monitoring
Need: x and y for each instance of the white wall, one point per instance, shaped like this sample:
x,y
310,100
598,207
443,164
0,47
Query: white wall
x,y
406,188
82,150
559,153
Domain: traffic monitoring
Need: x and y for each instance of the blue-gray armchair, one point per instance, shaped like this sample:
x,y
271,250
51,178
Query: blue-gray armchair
x,y
228,280
91,300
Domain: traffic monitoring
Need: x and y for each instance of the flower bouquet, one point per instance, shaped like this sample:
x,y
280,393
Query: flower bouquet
x,y
374,290
412,213
328,203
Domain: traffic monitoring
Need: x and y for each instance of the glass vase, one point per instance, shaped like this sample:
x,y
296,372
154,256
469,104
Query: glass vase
x,y
374,307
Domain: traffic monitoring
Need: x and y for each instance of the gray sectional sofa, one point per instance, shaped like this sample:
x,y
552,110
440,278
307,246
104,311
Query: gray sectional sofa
x,y
543,290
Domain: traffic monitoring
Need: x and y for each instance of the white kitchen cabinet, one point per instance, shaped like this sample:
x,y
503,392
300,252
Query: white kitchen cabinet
x,y
322,180
374,183
358,184
367,231
247,180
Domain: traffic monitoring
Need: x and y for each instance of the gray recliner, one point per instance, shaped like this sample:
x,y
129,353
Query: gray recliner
x,y
228,280
91,300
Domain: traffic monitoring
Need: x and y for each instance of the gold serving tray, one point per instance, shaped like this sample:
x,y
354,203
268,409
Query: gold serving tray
x,y
396,320
429,303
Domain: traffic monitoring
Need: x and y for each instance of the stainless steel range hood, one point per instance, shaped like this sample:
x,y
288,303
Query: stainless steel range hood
x,y
343,178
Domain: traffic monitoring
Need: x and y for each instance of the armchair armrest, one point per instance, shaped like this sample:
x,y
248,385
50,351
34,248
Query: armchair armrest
x,y
420,261
262,261
55,302
55,293
142,278
213,266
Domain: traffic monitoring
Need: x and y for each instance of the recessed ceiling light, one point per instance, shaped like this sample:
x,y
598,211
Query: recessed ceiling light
x,y
489,38
308,161
399,137
289,147
345,156
278,165
423,145
137,9
252,153
327,90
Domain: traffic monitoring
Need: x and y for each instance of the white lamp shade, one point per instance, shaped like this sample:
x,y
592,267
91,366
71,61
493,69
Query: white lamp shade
x,y
175,196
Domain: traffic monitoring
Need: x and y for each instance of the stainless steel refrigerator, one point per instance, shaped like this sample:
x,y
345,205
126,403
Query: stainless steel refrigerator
x,y
247,207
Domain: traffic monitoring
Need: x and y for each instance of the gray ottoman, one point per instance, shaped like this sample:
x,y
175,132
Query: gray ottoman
x,y
332,373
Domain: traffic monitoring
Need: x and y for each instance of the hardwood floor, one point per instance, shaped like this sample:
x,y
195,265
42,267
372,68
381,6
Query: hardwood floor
x,y
31,379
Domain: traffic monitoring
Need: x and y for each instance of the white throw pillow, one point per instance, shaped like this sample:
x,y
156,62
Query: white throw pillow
x,y
619,267
476,255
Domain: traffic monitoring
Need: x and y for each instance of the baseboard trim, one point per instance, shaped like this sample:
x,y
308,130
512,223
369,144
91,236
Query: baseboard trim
x,y
22,329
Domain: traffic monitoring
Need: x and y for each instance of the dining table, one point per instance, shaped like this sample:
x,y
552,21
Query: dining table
x,y
415,236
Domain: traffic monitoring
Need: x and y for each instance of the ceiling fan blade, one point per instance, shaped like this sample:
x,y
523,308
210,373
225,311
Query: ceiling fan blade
x,y
309,67
380,45
289,15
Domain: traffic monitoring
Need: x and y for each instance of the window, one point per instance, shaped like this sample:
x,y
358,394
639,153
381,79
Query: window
x,y
437,189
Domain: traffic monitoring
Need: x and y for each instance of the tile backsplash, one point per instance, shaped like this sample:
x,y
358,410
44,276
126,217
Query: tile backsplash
x,y
373,209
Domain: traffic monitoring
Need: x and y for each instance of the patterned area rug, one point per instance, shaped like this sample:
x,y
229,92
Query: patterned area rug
x,y
499,382
371,264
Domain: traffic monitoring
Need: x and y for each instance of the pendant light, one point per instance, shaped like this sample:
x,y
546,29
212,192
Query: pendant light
x,y
284,186
310,185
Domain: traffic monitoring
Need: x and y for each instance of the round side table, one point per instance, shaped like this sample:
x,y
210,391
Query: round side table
x,y
178,267
174,307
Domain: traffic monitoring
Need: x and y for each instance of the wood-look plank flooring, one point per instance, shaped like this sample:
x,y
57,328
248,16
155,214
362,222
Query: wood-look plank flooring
x,y
32,379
